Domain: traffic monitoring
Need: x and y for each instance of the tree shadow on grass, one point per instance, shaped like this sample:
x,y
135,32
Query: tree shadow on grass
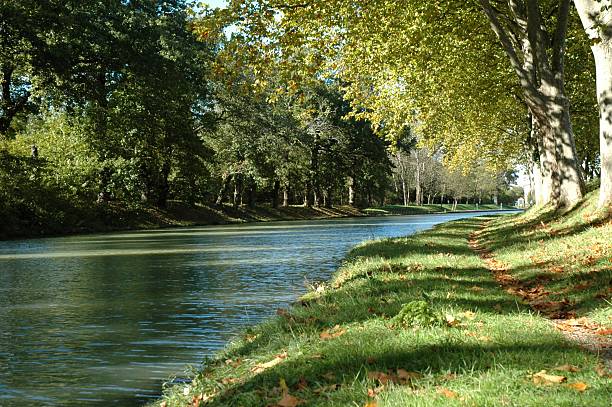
x,y
346,362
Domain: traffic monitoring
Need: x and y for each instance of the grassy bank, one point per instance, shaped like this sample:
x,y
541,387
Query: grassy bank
x,y
111,217
429,209
458,315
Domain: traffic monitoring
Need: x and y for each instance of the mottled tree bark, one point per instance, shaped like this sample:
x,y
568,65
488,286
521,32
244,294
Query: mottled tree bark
x,y
597,22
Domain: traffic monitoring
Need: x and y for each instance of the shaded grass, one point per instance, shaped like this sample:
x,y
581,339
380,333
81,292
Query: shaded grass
x,y
570,255
114,216
429,209
486,358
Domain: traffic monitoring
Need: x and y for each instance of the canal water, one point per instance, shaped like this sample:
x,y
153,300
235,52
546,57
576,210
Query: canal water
x,y
106,319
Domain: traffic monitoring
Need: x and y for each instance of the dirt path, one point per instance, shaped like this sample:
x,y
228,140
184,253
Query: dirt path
x,y
582,331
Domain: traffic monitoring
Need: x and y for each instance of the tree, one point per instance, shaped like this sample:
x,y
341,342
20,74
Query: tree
x,y
596,17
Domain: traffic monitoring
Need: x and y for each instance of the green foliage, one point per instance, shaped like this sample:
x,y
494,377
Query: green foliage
x,y
417,314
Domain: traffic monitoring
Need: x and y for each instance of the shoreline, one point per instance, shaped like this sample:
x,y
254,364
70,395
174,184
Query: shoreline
x,y
151,218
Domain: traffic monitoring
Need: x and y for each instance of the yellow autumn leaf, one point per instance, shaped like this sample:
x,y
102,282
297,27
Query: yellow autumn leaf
x,y
578,386
544,378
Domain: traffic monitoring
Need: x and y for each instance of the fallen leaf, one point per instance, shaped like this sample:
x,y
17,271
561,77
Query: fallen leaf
x,y
578,386
448,393
449,376
567,368
229,380
164,404
604,332
406,375
302,384
233,363
451,320
372,403
543,378
332,333
263,366
330,376
195,402
375,391
289,401
468,314
602,371
383,378
476,288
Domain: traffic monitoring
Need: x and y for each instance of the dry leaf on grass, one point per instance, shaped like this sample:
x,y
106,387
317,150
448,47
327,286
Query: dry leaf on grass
x,y
375,391
233,363
330,376
602,371
229,380
372,403
332,333
382,377
201,398
405,375
567,368
289,401
543,378
263,366
451,320
578,386
448,393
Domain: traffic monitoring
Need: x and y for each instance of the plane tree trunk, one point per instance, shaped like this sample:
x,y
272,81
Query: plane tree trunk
x,y
597,22
542,77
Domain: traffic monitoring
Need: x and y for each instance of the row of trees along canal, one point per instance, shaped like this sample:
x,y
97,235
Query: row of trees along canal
x,y
522,80
144,102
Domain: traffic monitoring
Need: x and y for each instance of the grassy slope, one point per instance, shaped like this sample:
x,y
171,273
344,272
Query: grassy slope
x,y
426,209
109,217
488,359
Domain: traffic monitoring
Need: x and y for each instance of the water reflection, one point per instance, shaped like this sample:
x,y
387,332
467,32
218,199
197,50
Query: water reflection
x,y
106,318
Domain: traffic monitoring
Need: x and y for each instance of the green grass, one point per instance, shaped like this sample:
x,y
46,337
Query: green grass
x,y
427,209
65,219
339,339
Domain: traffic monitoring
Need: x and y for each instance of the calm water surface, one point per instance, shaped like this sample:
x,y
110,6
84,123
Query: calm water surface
x,y
107,318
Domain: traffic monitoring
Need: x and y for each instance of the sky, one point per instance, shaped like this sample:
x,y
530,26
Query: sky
x,y
216,3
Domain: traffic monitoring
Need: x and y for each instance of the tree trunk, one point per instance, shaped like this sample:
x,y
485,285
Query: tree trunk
x,y
285,197
164,187
351,192
225,183
542,79
308,196
597,22
251,192
419,199
329,202
571,185
275,192
237,190
603,63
